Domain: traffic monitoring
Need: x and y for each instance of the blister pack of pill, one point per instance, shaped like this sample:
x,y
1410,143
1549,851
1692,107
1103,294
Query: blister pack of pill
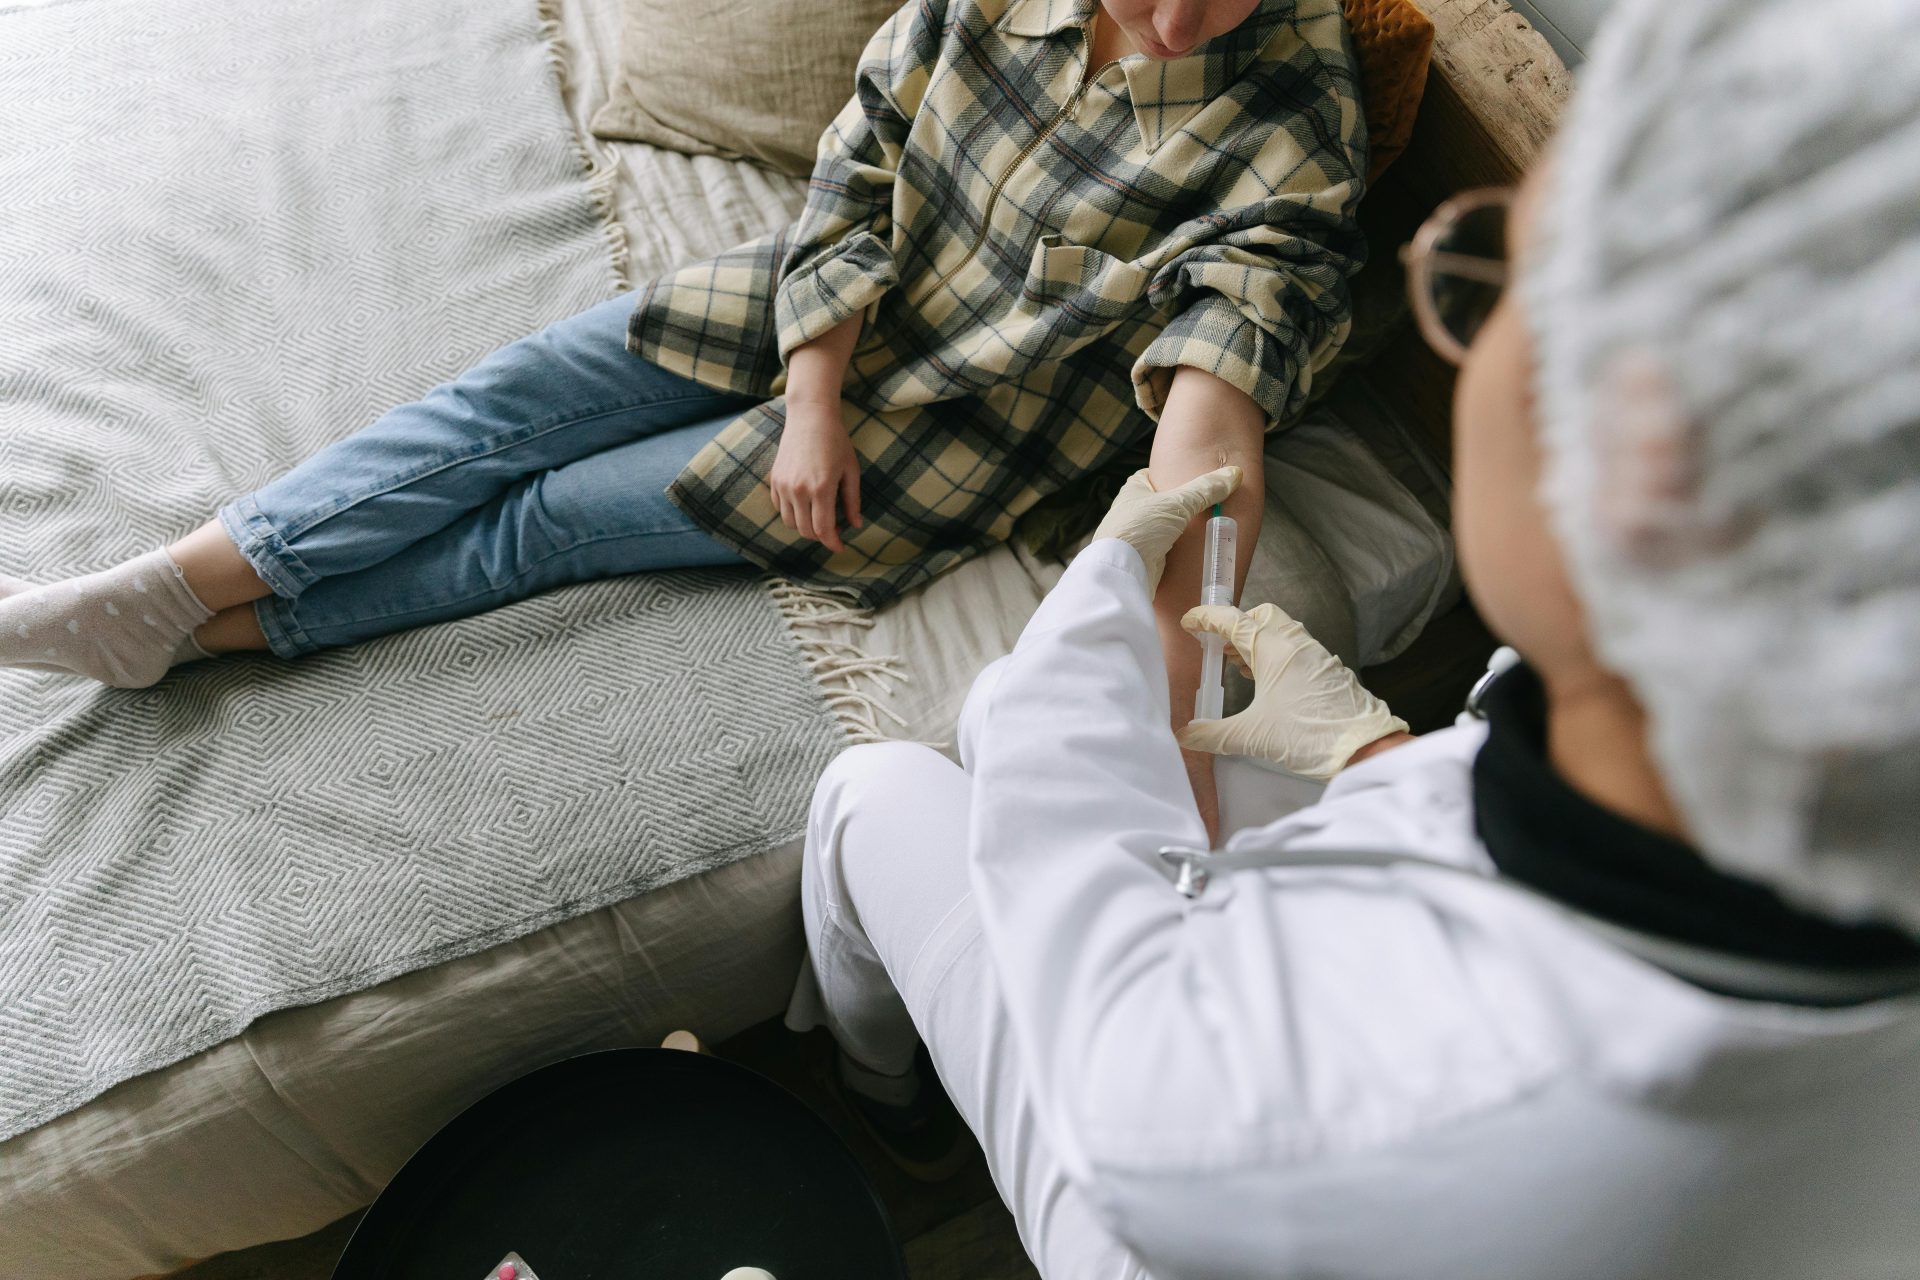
x,y
512,1267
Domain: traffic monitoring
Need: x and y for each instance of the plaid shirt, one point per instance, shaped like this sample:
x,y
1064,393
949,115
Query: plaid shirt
x,y
1033,248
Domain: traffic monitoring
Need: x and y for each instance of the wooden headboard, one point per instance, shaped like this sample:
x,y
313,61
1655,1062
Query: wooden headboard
x,y
1495,88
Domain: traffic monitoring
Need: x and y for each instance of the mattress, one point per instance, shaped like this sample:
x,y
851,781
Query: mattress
x,y
305,1116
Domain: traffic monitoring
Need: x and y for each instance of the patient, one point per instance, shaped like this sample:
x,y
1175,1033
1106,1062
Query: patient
x,y
1622,980
884,387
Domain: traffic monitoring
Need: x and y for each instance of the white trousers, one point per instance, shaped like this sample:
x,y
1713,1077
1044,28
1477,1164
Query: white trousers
x,y
897,958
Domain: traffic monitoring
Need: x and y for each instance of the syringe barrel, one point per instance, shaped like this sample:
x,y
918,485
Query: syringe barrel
x,y
1216,587
1222,544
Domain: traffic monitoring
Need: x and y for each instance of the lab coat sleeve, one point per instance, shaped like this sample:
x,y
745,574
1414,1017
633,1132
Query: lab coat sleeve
x,y
840,261
1078,784
1156,1033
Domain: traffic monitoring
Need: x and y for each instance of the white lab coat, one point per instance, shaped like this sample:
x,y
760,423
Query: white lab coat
x,y
1398,1072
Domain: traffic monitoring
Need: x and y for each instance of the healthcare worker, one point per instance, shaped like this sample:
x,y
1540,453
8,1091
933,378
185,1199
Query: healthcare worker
x,y
1620,981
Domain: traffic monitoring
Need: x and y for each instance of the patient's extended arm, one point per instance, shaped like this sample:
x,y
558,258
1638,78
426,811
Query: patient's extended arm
x,y
1206,423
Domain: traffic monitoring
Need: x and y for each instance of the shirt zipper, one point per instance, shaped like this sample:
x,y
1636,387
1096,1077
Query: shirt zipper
x,y
1087,76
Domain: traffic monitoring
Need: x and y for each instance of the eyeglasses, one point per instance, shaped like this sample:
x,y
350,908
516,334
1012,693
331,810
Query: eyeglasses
x,y
1457,267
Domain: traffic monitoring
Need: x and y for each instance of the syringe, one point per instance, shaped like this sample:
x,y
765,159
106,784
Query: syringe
x,y
1209,700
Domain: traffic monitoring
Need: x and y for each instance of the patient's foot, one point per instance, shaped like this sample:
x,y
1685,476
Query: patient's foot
x,y
910,1117
122,627
12,586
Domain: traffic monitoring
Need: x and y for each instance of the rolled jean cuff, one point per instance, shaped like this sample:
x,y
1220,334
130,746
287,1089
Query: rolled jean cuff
x,y
257,540
285,636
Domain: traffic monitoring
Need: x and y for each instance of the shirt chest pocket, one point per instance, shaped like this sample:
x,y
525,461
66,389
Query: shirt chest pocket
x,y
1081,285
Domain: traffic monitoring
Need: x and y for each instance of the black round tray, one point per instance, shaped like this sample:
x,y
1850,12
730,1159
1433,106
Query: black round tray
x,y
635,1164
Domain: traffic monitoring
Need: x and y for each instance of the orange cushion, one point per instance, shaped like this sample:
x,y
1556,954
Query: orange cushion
x,y
1391,42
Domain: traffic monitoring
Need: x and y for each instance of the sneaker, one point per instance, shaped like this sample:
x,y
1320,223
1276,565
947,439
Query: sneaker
x,y
925,1137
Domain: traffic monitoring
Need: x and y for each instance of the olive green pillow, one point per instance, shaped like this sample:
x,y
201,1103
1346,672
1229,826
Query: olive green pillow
x,y
747,79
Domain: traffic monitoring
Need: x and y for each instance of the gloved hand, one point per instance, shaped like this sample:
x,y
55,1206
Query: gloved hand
x,y
1152,522
1309,713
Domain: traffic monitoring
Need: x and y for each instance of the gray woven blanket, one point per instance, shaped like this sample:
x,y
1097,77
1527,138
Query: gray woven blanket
x,y
230,233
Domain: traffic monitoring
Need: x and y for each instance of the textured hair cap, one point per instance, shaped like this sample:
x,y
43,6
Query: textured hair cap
x,y
1724,289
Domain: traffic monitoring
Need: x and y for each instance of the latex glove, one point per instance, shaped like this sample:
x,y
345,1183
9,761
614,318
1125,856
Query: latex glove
x,y
1309,712
1151,522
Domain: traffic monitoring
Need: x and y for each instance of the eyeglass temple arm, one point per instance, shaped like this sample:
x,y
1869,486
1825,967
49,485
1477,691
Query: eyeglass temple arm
x,y
1469,266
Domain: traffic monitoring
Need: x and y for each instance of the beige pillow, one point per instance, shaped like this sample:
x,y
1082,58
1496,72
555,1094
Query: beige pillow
x,y
1391,41
752,80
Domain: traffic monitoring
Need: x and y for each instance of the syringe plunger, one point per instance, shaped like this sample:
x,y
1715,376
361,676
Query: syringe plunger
x,y
1216,587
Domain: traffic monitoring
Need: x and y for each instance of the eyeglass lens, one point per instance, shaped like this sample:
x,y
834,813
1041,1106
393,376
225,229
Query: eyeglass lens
x,y
1468,266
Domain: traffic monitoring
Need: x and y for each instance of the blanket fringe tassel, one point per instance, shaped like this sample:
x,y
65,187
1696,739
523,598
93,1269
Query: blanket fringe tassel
x,y
602,168
851,680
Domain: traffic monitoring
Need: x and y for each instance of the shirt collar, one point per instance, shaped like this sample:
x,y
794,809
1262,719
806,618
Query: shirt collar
x,y
1165,95
1046,17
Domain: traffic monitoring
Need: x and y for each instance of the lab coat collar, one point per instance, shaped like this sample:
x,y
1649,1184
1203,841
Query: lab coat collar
x,y
1165,95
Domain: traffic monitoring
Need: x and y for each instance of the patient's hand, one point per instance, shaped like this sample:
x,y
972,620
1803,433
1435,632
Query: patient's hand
x,y
816,473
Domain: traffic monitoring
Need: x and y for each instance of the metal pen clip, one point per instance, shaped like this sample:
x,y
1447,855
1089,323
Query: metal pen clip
x,y
1190,874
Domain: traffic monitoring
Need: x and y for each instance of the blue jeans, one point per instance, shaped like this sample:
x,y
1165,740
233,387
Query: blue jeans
x,y
546,463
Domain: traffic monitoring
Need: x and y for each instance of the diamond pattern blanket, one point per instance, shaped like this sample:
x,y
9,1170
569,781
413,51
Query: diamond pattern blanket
x,y
232,232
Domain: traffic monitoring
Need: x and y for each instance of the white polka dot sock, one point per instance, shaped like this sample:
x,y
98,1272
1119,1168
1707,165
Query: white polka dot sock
x,y
189,650
122,627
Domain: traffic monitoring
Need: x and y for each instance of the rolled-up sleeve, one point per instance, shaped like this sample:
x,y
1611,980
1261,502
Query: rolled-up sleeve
x,y
1259,296
840,260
